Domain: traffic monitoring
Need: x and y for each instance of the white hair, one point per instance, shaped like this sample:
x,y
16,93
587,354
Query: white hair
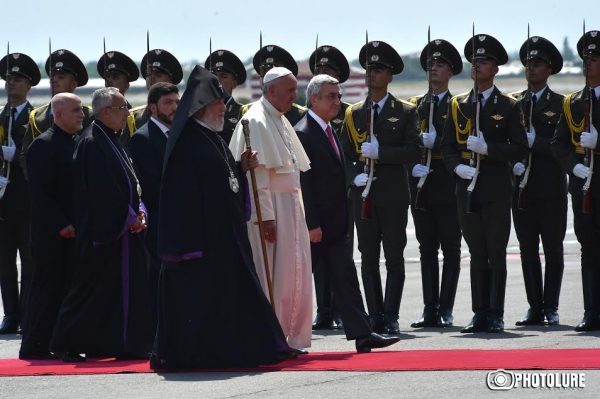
x,y
103,98
315,85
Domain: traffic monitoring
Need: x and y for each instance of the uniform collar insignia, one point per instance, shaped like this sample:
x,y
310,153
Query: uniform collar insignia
x,y
393,119
233,120
497,117
549,113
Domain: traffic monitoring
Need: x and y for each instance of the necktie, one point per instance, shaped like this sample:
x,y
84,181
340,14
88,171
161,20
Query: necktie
x,y
375,113
534,101
436,100
14,114
481,100
332,140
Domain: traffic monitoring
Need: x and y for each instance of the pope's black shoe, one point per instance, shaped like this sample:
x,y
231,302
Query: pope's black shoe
x,y
552,317
495,325
534,317
323,322
373,341
10,325
589,323
478,324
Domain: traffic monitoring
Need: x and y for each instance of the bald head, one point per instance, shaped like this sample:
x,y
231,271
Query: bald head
x,y
67,112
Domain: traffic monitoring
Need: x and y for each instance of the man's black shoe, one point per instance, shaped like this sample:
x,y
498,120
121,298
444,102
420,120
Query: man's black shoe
x,y
552,318
495,325
428,319
10,325
374,341
589,323
323,322
478,324
338,324
72,357
533,317
445,320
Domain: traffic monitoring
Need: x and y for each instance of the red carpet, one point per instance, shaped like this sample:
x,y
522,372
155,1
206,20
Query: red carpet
x,y
416,360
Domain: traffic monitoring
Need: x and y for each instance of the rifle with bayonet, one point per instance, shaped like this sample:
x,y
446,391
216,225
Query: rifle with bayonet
x,y
522,200
475,131
365,211
588,160
426,155
6,165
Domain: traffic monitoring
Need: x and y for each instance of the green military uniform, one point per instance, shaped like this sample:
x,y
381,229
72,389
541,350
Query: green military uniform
x,y
395,128
15,201
543,210
435,217
487,228
568,150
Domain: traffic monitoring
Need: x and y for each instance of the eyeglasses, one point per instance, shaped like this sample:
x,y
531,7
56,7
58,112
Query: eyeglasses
x,y
333,96
121,107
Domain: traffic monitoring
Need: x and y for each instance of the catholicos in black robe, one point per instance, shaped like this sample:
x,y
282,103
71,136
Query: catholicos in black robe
x,y
212,310
50,168
107,310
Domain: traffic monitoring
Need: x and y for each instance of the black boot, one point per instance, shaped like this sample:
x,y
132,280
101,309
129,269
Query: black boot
x,y
553,282
430,277
10,302
394,284
590,321
497,294
532,275
448,294
374,298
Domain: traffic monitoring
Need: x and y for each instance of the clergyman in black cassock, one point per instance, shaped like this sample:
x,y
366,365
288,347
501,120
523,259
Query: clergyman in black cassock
x,y
212,310
107,310
50,166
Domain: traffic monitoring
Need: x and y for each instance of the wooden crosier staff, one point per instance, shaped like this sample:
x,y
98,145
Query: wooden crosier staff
x,y
259,219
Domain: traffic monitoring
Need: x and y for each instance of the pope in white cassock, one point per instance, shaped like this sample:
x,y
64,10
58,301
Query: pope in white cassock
x,y
281,158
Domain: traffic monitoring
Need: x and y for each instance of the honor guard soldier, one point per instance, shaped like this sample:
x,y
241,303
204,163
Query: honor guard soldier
x,y
274,56
394,143
66,73
484,203
539,204
435,217
330,61
575,144
117,70
20,73
230,71
157,66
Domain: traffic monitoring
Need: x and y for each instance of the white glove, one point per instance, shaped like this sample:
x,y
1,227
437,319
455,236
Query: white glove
x,y
477,145
361,180
8,153
420,170
3,182
429,138
581,171
465,171
530,138
370,150
588,139
518,169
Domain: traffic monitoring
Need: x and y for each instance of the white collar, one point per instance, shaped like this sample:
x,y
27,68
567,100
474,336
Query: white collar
x,y
319,120
597,91
160,125
487,93
19,108
441,95
381,102
538,94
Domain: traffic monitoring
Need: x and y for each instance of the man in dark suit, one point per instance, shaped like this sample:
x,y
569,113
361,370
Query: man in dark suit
x,y
500,141
330,61
394,144
50,166
435,217
230,71
575,145
20,73
324,194
540,197
147,149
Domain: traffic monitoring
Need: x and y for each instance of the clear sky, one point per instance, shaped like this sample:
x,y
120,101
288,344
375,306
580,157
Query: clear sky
x,y
183,27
